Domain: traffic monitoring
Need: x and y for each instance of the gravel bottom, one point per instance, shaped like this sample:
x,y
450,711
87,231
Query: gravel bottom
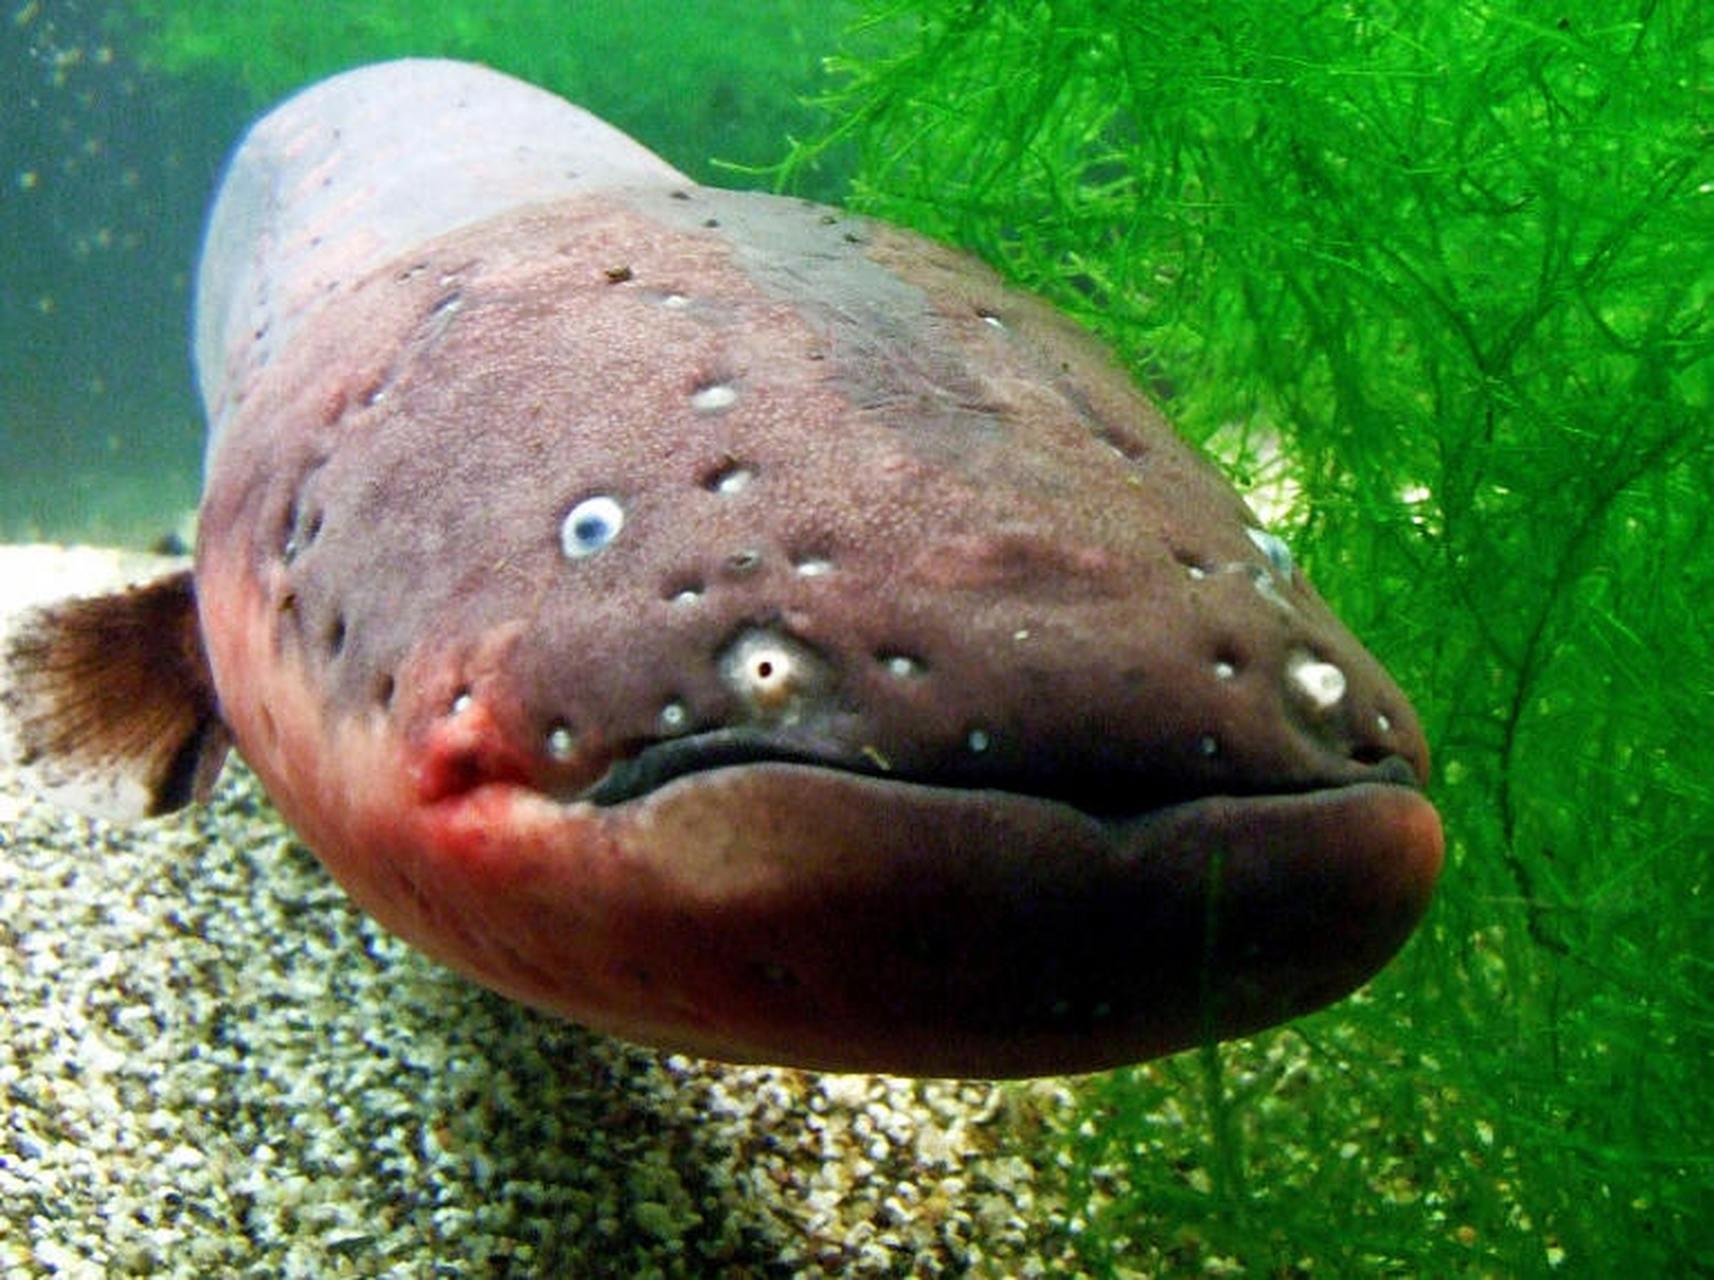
x,y
212,1064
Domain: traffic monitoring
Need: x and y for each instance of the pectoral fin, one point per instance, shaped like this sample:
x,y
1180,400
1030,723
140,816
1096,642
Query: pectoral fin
x,y
110,706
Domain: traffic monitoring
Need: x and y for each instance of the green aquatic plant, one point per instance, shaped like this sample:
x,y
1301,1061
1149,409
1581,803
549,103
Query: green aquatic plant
x,y
1438,278
720,79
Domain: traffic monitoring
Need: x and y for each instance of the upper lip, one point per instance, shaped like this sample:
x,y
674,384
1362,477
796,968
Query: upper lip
x,y
659,761
656,762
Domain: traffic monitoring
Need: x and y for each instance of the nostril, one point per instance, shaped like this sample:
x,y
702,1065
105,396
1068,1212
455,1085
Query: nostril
x,y
1371,753
1391,767
1319,686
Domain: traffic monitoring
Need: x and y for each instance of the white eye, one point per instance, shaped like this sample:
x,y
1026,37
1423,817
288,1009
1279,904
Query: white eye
x,y
1274,548
589,526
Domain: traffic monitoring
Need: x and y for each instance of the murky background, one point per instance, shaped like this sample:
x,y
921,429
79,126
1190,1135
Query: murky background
x,y
104,172
117,119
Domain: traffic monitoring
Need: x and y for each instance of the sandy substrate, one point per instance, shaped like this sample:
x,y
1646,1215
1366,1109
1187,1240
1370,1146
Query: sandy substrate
x,y
210,1064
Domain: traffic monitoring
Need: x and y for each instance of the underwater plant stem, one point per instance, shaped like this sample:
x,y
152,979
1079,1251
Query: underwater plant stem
x,y
1226,1160
1225,1163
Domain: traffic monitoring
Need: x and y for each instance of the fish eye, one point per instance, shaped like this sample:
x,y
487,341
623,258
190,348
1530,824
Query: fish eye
x,y
590,526
1274,548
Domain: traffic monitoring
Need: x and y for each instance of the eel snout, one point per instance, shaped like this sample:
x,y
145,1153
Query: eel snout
x,y
858,923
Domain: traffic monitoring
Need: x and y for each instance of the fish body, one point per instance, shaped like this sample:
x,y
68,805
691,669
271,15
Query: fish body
x,y
742,626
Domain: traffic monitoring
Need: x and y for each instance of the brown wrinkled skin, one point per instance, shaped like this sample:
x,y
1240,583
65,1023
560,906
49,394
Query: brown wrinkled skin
x,y
397,635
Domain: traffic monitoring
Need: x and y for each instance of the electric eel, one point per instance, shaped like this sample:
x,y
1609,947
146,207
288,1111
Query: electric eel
x,y
737,625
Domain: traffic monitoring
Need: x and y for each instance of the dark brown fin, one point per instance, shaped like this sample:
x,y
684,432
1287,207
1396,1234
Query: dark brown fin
x,y
111,701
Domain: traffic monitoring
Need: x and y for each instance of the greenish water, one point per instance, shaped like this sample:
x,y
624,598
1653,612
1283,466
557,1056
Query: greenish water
x,y
1457,262
118,118
103,175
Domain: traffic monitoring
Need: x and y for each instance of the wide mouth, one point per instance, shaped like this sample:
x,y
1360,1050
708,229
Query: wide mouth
x,y
858,922
662,761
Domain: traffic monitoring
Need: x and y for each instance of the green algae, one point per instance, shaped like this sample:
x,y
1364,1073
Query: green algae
x,y
1445,272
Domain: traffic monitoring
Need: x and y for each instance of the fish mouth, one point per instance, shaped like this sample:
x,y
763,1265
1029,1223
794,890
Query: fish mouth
x,y
666,760
663,761
777,894
875,922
